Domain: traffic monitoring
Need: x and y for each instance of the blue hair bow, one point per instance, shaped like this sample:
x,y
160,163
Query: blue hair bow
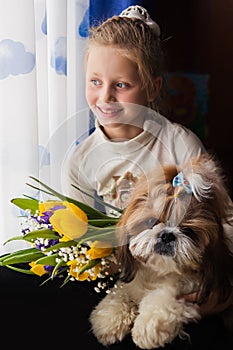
x,y
180,181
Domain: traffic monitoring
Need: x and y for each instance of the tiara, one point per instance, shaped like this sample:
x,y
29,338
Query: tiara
x,y
142,14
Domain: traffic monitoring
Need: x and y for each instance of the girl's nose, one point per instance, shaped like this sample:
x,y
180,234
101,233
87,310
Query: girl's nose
x,y
108,94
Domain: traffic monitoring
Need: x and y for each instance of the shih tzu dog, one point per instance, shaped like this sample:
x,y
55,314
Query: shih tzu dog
x,y
171,242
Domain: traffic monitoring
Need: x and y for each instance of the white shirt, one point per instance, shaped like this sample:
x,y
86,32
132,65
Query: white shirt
x,y
99,166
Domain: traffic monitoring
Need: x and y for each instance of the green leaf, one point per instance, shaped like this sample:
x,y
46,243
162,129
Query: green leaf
x,y
31,236
45,233
15,238
66,280
103,222
56,267
98,200
24,257
45,281
89,265
100,234
91,212
48,260
19,252
29,272
26,203
51,277
61,245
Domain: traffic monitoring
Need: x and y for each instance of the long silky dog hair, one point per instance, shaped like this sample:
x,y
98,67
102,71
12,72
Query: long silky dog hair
x,y
202,220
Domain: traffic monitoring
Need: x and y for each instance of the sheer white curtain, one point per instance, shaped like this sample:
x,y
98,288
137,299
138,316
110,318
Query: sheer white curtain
x,y
42,104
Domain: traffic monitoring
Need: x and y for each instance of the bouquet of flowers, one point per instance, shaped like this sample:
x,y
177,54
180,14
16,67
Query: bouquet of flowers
x,y
66,238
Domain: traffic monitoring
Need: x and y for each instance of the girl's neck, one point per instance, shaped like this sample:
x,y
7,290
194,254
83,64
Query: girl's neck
x,y
121,132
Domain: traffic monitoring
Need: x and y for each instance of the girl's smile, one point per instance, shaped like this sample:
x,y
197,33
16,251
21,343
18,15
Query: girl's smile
x,y
109,109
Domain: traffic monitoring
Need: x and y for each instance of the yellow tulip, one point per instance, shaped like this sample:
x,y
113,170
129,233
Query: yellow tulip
x,y
48,205
38,269
75,267
99,250
70,222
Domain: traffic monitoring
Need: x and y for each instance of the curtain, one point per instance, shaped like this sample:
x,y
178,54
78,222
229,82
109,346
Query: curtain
x,y
43,110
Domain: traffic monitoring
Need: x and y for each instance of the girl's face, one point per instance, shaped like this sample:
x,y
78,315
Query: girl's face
x,y
114,91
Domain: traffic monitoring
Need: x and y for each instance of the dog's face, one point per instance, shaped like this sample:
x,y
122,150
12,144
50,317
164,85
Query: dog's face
x,y
175,214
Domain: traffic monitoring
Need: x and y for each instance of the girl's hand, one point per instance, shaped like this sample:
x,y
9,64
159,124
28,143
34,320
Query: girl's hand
x,y
211,307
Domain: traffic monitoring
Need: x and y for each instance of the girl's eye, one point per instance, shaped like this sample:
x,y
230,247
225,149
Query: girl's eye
x,y
121,85
95,82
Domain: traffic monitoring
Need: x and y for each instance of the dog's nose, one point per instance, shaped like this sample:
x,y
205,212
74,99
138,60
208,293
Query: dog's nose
x,y
165,243
167,236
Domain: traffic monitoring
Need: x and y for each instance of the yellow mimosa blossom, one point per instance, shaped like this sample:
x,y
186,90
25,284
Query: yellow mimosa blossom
x,y
75,267
70,222
99,250
38,269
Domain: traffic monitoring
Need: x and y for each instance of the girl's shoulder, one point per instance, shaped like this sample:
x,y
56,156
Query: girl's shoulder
x,y
87,142
186,133
171,130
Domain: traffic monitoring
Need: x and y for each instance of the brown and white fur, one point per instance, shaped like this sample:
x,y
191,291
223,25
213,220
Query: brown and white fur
x,y
170,243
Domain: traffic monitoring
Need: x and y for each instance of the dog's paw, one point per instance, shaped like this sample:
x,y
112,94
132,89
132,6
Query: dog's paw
x,y
112,320
155,329
151,334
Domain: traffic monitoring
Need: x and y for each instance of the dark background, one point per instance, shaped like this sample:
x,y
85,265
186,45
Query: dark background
x,y
201,42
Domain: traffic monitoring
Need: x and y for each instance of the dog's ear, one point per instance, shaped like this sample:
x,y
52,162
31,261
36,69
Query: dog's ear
x,y
208,182
216,272
128,265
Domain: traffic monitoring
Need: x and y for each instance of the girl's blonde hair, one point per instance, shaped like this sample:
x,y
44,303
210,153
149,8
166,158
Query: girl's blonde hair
x,y
136,41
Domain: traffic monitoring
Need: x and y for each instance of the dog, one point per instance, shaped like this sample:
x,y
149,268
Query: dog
x,y
172,242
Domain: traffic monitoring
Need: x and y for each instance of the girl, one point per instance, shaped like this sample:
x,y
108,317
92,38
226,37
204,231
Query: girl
x,y
124,64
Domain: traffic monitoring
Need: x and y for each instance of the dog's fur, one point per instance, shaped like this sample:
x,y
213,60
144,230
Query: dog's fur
x,y
171,243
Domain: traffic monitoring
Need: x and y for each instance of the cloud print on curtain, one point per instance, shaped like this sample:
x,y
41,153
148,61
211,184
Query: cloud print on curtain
x,y
14,59
59,53
58,57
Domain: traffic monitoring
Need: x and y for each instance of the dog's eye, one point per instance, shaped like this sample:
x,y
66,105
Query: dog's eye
x,y
187,231
150,223
144,225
